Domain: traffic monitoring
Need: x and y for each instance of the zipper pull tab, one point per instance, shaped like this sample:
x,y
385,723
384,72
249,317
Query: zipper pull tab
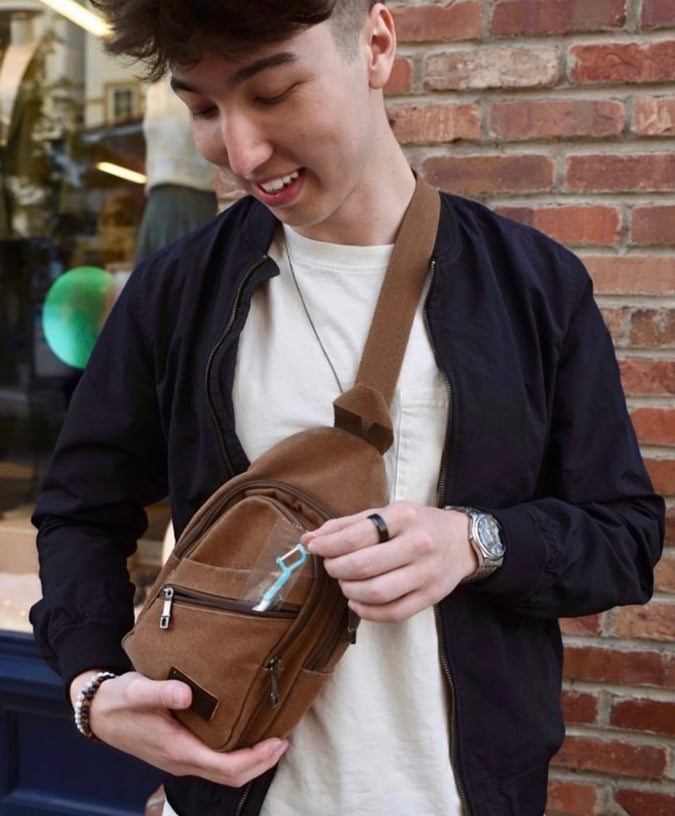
x,y
167,597
273,669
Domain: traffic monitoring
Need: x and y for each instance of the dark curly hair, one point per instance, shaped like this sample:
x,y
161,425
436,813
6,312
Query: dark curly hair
x,y
164,33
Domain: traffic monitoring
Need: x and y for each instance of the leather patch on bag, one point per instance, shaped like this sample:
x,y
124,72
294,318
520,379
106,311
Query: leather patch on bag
x,y
203,703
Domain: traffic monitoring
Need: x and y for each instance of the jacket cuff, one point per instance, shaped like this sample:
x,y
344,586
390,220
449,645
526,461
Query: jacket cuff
x,y
81,650
525,557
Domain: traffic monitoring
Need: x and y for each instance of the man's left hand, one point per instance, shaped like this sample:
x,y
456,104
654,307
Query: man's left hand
x,y
425,557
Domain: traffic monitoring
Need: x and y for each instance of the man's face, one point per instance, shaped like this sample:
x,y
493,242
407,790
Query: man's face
x,y
296,124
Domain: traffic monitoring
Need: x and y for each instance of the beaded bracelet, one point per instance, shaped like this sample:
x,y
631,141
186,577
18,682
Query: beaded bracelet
x,y
83,703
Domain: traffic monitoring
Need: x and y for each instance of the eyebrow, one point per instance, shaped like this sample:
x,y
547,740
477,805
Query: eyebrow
x,y
245,72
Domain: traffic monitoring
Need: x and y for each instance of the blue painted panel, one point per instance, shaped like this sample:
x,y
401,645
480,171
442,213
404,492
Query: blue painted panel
x,y
46,767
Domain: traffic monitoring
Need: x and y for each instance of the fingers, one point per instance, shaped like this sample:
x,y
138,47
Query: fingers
x,y
133,715
349,533
236,768
398,610
425,558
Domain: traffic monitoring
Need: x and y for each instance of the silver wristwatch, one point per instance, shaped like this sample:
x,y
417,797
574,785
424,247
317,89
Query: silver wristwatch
x,y
486,539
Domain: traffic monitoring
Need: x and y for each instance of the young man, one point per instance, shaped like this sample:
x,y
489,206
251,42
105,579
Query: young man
x,y
518,494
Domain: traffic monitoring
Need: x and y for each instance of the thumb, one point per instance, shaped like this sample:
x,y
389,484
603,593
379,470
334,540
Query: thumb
x,y
144,693
175,695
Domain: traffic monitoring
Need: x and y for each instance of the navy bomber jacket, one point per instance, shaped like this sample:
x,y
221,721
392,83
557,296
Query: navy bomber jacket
x,y
538,434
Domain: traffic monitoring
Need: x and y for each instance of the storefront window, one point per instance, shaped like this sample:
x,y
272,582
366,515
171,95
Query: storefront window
x,y
70,126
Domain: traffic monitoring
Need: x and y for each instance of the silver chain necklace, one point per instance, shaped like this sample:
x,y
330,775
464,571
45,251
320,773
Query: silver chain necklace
x,y
309,317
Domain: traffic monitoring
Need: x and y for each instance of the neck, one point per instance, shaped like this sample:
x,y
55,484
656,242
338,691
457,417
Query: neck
x,y
387,194
372,212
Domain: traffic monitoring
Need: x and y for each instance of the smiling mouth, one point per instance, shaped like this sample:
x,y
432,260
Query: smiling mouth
x,y
278,184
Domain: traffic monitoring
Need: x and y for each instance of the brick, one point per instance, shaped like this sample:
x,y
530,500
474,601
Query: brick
x,y
579,709
555,16
616,321
664,576
613,757
619,173
653,716
556,119
476,175
598,664
400,80
480,68
648,378
655,621
662,472
432,124
653,327
670,525
427,23
632,274
658,14
654,116
655,426
572,798
571,224
653,225
586,625
645,803
623,62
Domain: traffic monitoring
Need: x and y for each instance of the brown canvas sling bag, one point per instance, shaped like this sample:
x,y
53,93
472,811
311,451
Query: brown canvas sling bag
x,y
240,611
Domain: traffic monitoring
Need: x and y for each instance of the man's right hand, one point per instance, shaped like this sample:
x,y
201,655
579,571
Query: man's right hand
x,y
133,714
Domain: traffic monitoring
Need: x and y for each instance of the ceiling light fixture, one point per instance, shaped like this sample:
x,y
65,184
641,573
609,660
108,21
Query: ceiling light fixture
x,y
121,172
73,11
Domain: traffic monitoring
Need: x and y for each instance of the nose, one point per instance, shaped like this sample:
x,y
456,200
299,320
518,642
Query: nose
x,y
248,146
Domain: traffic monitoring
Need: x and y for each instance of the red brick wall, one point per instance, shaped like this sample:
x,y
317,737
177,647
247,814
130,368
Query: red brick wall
x,y
561,114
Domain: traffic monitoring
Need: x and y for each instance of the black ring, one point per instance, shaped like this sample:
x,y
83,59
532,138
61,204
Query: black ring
x,y
382,529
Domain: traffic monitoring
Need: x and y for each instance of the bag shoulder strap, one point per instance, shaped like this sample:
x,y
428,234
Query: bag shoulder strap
x,y
364,409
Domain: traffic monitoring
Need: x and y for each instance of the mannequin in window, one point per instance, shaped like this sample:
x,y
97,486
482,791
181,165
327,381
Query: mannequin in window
x,y
25,166
180,186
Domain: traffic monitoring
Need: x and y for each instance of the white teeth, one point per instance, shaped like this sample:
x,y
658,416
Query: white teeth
x,y
278,184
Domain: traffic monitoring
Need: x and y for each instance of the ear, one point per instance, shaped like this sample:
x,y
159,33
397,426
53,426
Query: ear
x,y
380,34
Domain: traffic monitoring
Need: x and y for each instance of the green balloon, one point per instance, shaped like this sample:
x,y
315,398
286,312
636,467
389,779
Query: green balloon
x,y
76,305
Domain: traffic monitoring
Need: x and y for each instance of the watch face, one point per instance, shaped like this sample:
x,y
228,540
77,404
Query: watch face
x,y
487,532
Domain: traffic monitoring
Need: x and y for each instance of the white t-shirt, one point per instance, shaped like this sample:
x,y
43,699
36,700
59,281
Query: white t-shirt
x,y
375,743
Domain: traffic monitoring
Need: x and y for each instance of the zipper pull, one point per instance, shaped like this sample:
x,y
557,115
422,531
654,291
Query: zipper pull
x,y
167,597
273,669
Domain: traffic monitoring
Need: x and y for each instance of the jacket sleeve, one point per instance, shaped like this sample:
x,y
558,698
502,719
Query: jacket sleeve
x,y
590,538
108,464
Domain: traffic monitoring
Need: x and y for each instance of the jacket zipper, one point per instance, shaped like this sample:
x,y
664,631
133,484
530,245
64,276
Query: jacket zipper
x,y
461,790
209,363
244,797
171,594
445,666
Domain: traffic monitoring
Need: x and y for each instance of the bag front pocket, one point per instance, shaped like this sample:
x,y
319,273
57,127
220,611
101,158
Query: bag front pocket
x,y
216,645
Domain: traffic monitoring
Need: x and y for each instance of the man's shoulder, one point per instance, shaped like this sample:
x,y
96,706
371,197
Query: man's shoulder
x,y
516,256
510,224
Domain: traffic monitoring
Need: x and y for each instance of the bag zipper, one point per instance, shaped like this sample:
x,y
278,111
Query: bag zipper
x,y
171,594
317,658
192,535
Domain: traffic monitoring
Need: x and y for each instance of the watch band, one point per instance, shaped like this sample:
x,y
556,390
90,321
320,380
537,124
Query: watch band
x,y
489,560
